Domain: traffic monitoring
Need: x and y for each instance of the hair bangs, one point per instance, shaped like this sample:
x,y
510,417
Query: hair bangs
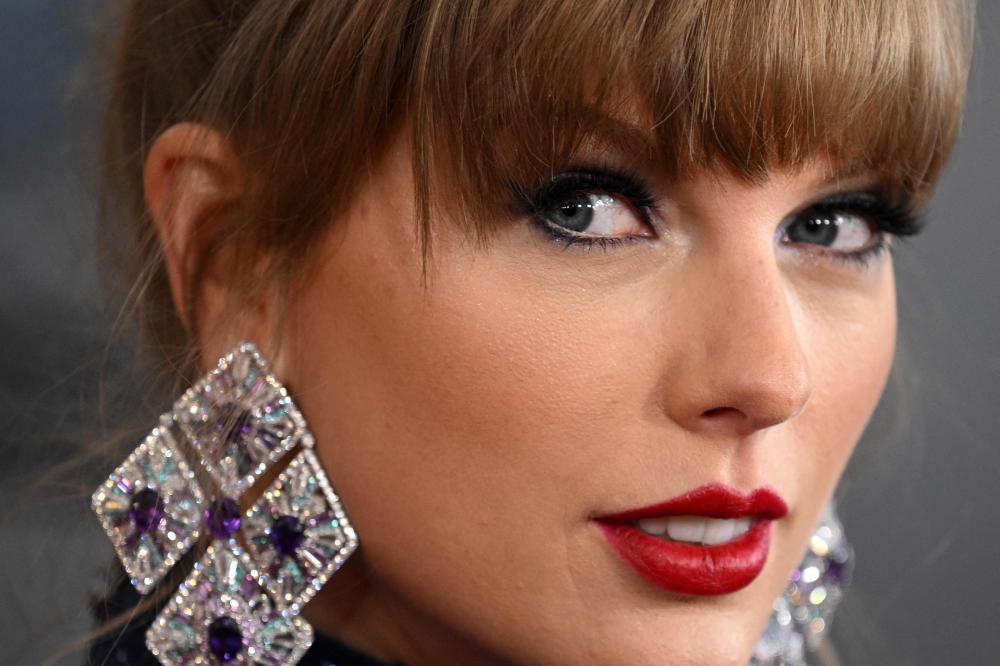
x,y
500,94
510,91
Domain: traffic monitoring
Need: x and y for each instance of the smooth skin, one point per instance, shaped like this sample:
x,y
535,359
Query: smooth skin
x,y
475,413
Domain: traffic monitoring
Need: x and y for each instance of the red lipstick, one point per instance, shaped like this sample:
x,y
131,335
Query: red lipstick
x,y
688,568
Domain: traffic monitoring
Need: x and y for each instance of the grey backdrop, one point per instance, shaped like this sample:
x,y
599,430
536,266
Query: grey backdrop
x,y
921,503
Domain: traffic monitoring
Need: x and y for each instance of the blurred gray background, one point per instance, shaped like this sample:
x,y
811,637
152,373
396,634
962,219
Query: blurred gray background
x,y
921,501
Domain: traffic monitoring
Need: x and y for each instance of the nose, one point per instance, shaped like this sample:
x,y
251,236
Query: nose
x,y
740,366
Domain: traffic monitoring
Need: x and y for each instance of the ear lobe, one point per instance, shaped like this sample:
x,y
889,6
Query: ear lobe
x,y
192,178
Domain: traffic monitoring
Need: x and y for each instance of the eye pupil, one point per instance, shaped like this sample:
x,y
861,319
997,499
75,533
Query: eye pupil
x,y
817,229
575,214
570,210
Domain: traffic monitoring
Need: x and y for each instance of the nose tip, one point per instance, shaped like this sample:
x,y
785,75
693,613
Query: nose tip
x,y
759,405
742,367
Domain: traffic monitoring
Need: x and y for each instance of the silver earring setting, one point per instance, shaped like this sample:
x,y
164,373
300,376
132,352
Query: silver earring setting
x,y
241,602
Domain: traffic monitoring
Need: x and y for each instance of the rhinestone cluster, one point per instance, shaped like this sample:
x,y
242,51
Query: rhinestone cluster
x,y
239,420
298,533
150,508
802,614
241,602
220,615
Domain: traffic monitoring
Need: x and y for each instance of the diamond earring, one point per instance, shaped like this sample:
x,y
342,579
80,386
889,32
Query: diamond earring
x,y
801,616
241,602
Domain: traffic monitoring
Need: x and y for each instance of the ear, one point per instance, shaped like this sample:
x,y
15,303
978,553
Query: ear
x,y
193,180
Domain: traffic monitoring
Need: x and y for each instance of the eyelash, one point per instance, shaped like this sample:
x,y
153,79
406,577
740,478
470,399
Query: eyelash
x,y
889,219
613,182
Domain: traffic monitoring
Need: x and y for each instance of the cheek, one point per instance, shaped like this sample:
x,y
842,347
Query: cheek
x,y
849,339
851,348
468,414
456,419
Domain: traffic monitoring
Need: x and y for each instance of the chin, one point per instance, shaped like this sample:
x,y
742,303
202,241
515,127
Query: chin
x,y
723,640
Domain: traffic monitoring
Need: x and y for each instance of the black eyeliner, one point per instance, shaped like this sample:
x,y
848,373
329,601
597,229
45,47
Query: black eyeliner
x,y
575,182
895,219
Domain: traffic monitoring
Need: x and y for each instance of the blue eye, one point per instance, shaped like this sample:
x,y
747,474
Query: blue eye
x,y
590,206
594,214
842,231
853,225
574,214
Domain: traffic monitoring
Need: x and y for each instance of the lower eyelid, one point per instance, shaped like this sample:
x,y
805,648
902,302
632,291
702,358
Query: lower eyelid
x,y
876,251
571,238
879,238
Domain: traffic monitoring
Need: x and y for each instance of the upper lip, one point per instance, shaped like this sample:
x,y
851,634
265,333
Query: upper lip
x,y
714,500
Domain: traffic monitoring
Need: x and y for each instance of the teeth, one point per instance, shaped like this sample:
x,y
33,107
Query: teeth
x,y
655,526
696,529
743,526
718,531
687,528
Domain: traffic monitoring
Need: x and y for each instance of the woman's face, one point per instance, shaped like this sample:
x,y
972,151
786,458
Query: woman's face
x,y
488,416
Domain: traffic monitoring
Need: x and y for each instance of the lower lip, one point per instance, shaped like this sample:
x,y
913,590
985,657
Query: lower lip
x,y
686,568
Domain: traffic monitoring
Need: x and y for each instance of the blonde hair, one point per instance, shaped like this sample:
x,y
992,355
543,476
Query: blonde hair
x,y
496,92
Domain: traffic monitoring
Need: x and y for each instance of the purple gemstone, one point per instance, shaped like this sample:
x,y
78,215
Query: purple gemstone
x,y
147,510
203,591
269,441
239,428
286,535
222,518
225,639
248,588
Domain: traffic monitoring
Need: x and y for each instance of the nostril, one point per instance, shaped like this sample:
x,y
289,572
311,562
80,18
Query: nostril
x,y
722,412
